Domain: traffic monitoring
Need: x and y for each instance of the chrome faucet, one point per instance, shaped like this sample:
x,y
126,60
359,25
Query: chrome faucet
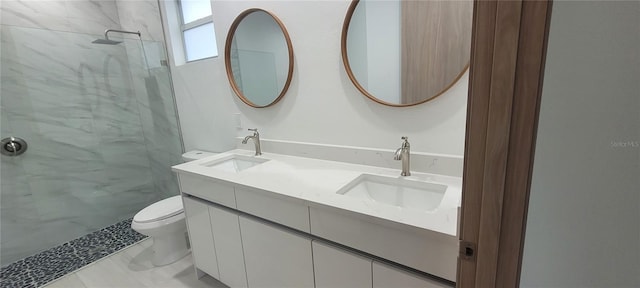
x,y
403,153
256,140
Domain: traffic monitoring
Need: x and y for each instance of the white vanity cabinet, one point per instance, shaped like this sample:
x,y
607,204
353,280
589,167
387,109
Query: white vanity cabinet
x,y
275,257
385,276
200,236
248,236
334,267
228,244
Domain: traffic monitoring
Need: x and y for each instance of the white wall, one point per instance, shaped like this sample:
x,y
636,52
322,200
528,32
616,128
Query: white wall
x,y
583,226
322,105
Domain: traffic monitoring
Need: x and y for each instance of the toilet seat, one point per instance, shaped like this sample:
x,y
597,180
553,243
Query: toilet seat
x,y
173,223
160,210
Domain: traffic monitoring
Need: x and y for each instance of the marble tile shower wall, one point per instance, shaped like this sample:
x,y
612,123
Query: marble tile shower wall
x,y
143,16
99,119
88,17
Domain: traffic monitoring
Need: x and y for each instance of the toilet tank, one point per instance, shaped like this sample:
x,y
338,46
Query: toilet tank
x,y
195,155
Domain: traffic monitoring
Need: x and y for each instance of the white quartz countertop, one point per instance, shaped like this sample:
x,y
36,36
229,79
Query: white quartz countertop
x,y
317,182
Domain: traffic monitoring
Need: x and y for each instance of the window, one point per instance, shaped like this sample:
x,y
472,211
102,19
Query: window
x,y
198,33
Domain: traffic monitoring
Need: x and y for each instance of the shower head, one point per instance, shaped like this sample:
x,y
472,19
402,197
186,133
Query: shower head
x,y
108,41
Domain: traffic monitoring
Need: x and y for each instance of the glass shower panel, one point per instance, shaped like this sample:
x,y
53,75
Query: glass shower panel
x,y
102,132
158,116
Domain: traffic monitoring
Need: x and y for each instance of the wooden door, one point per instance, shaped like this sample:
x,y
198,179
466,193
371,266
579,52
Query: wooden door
x,y
507,61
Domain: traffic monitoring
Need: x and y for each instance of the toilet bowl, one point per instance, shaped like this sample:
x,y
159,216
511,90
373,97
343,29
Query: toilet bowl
x,y
165,222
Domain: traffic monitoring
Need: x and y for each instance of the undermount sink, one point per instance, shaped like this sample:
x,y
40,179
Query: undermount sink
x,y
399,192
235,163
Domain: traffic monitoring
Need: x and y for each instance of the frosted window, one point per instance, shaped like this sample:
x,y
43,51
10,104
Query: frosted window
x,y
194,9
200,42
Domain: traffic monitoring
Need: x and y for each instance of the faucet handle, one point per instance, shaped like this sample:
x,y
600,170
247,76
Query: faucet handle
x,y
405,143
255,132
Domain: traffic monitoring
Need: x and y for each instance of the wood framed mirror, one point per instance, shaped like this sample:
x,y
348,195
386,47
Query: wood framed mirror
x,y
404,53
258,58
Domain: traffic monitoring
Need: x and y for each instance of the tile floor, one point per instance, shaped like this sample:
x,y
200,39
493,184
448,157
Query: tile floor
x,y
131,267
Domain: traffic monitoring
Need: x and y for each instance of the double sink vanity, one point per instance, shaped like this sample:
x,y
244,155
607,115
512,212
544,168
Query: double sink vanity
x,y
276,220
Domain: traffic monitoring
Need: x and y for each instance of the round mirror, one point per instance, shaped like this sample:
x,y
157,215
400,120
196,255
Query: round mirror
x,y
403,53
259,58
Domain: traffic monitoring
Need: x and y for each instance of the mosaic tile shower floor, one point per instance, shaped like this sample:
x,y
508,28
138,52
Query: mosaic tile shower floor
x,y
37,270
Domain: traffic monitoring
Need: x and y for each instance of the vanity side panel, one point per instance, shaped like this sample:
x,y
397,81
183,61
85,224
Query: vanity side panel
x,y
208,190
427,251
289,212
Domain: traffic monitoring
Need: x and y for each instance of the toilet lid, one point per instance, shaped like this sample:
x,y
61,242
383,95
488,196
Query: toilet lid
x,y
160,210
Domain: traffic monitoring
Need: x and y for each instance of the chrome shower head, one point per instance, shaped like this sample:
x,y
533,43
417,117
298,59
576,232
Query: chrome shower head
x,y
106,41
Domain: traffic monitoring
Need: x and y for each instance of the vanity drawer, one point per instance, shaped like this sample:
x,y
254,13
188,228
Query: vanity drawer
x,y
289,212
421,249
208,190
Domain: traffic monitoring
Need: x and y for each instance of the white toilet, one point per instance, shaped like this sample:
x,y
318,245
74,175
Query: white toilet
x,y
164,221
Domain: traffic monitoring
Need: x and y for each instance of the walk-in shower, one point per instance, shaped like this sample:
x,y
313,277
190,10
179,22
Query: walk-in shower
x,y
101,127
